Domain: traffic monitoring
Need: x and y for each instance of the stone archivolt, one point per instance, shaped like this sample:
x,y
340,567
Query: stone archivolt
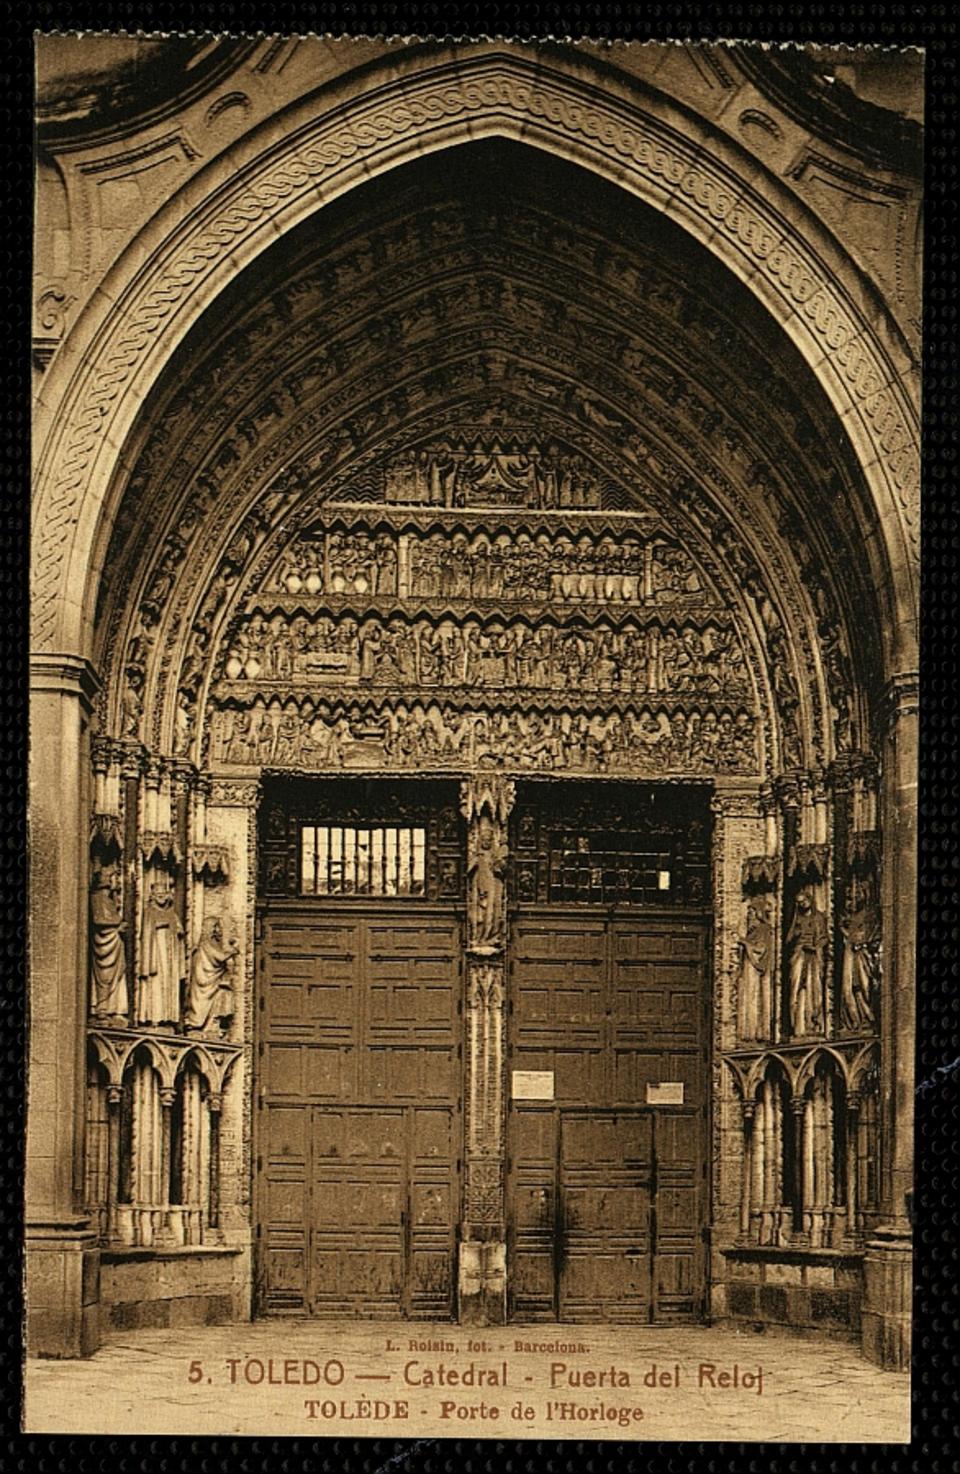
x,y
336,427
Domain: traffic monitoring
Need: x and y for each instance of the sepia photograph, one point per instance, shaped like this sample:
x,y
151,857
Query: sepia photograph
x,y
474,620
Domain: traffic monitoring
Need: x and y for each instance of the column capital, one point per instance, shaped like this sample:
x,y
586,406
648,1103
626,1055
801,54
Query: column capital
x,y
901,697
847,767
737,801
789,787
64,675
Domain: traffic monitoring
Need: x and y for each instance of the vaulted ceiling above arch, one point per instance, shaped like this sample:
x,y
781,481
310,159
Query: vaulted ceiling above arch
x,y
490,324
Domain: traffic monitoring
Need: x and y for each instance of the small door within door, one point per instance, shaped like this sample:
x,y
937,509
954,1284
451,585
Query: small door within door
x,y
606,1229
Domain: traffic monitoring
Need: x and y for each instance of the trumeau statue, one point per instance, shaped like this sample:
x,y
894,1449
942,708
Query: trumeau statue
x,y
110,997
807,951
486,869
162,958
754,1013
209,1000
860,976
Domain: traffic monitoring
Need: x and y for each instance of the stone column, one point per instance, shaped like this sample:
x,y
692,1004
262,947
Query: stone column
x,y
113,1160
482,1279
214,1104
62,1257
888,1262
230,808
738,834
167,1098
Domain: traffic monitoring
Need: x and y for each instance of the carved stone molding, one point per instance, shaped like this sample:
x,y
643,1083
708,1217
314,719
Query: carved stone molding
x,y
810,861
760,873
736,803
211,862
234,793
482,1285
901,698
743,226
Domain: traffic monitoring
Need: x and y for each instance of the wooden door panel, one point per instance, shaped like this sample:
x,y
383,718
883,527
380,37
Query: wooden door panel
x,y
532,1225
433,1212
604,1285
562,968
680,1194
360,1115
284,1147
635,1069
606,1167
611,1007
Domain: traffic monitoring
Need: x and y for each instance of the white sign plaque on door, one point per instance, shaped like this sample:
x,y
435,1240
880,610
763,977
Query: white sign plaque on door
x,y
667,1092
533,1085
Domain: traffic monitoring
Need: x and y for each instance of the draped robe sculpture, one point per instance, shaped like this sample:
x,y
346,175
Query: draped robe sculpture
x,y
110,997
209,996
860,973
162,959
753,991
807,944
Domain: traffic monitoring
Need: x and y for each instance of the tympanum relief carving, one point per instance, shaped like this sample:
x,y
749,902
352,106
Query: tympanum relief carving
x,y
619,656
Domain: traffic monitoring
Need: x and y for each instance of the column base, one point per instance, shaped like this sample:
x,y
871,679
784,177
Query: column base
x,y
62,1289
887,1310
482,1283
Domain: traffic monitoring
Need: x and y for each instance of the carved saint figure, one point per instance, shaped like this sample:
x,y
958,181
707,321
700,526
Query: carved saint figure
x,y
807,944
860,976
110,998
162,959
753,983
485,872
209,996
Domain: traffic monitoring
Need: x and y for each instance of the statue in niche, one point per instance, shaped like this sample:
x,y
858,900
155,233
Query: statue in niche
x,y
860,973
209,1000
486,868
110,1000
807,951
162,957
754,1013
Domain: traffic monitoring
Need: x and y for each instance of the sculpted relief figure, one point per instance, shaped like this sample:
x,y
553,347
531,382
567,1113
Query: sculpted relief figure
x,y
807,952
860,973
110,999
754,997
486,868
509,566
209,1000
343,652
410,737
162,959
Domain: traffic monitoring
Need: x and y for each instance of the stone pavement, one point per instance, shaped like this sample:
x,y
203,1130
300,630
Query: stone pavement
x,y
416,1380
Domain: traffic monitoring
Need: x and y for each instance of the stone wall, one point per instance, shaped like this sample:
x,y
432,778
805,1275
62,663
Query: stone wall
x,y
173,1287
810,1291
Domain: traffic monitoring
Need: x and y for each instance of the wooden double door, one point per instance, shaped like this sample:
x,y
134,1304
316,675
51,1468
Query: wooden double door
x,y
607,1125
359,1129
358,1110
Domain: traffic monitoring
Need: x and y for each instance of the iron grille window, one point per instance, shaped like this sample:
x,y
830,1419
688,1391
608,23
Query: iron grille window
x,y
604,867
610,844
363,860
